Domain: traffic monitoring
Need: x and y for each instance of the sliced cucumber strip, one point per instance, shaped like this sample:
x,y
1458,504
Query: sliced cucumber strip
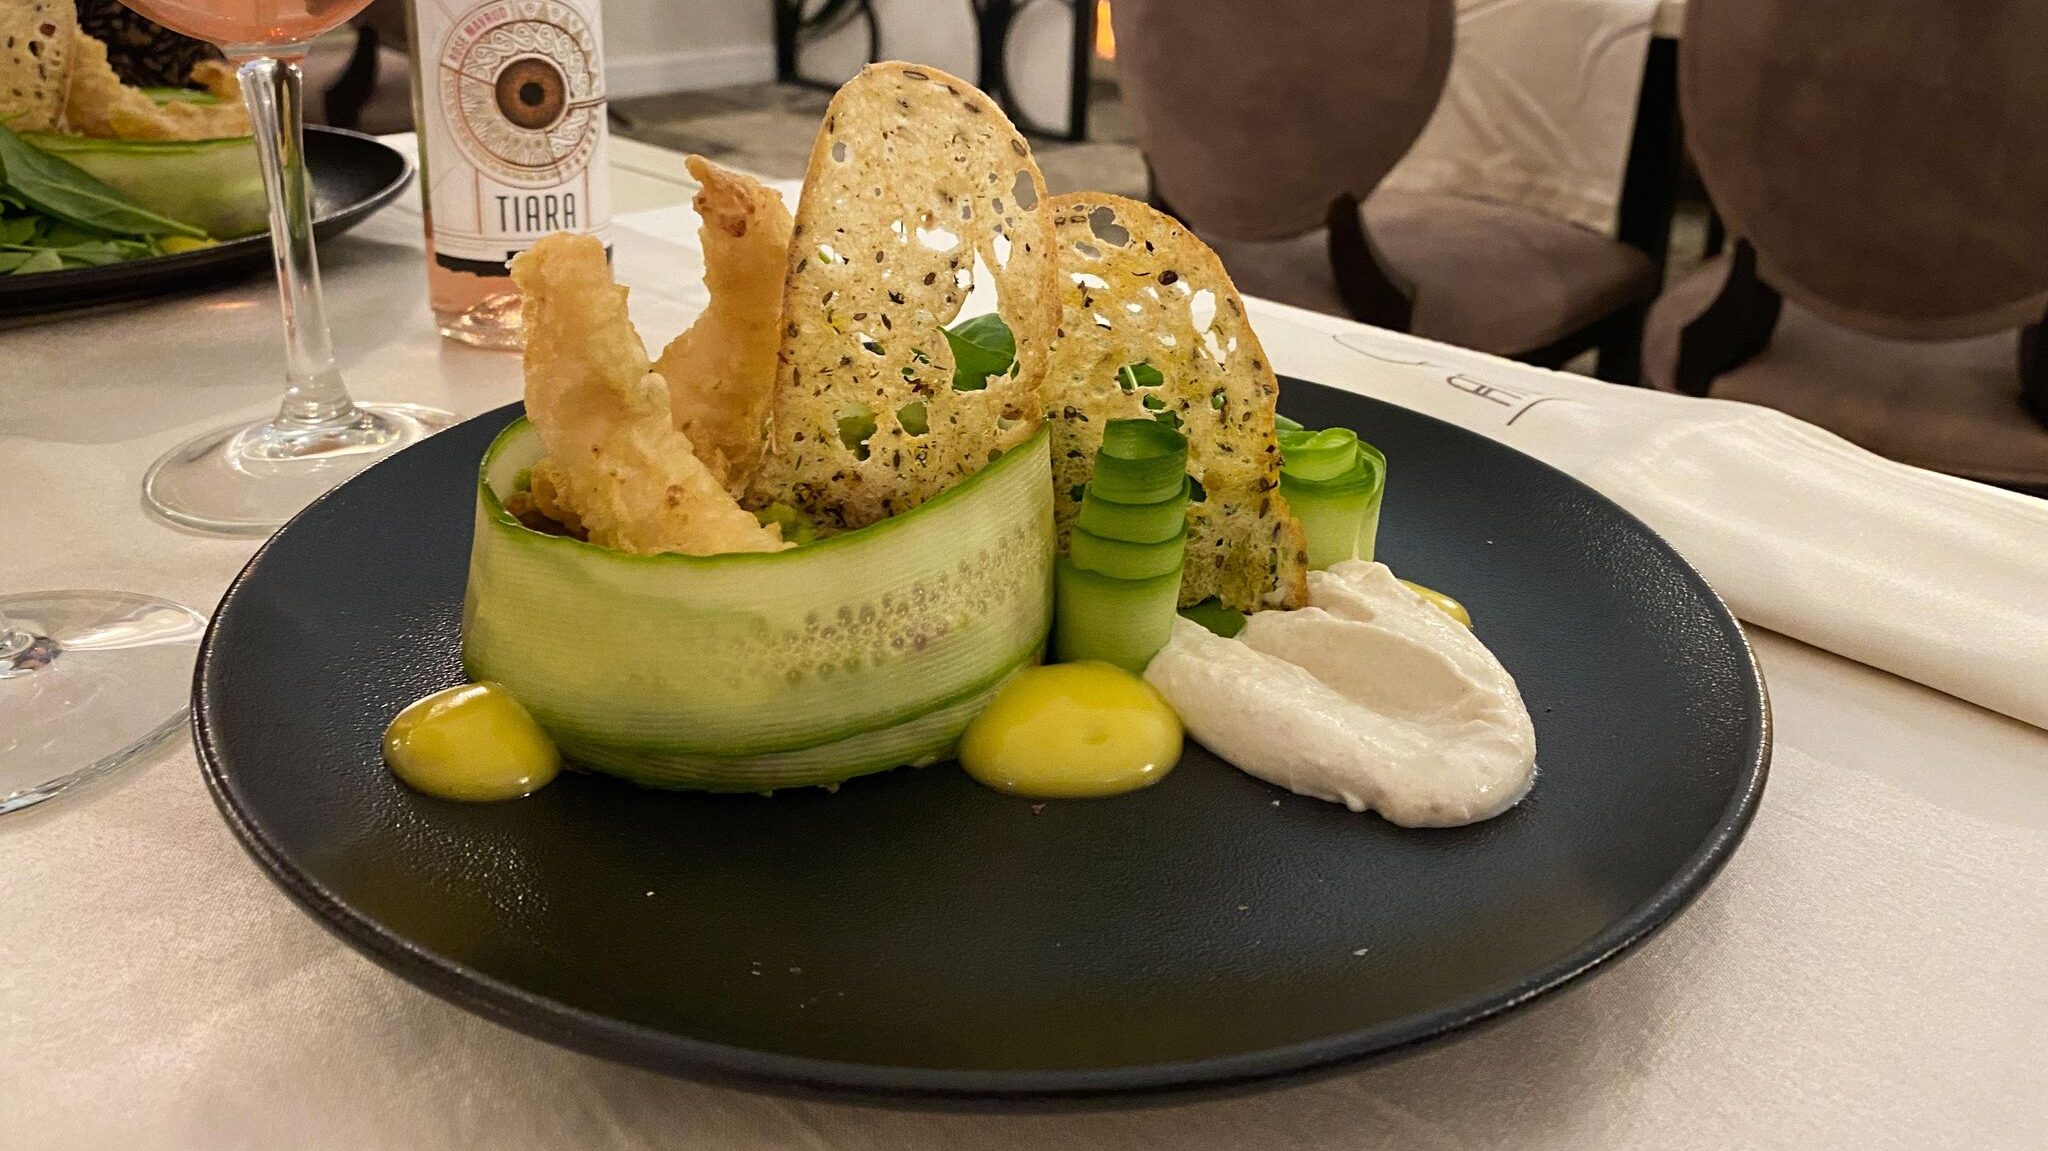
x,y
1121,559
1116,588
1323,455
752,671
1120,621
1137,523
1140,462
213,185
161,96
1339,514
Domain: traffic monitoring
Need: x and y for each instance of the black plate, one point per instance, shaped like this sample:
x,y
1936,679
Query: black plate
x,y
353,176
914,933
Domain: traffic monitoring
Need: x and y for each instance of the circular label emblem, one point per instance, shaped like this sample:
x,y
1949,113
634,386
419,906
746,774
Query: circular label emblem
x,y
521,89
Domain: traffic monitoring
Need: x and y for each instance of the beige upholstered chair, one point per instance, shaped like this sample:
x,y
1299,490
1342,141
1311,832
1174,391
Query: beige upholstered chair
x,y
1883,168
1267,125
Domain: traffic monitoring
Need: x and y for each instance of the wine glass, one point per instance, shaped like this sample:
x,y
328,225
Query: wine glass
x,y
249,478
89,680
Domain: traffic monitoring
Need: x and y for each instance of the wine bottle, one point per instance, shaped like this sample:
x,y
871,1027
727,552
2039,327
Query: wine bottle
x,y
509,100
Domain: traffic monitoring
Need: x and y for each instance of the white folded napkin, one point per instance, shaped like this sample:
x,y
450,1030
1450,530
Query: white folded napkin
x,y
1936,579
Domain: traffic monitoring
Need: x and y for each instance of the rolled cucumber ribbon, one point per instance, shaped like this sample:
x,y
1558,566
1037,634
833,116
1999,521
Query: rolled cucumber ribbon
x,y
1115,591
1333,482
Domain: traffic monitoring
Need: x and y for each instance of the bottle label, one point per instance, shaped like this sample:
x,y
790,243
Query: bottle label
x,y
514,126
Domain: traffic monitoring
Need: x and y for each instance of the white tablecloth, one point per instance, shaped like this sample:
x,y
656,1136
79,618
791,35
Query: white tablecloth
x,y
1867,973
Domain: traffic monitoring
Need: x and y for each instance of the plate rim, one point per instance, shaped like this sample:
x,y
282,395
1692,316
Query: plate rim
x,y
680,1055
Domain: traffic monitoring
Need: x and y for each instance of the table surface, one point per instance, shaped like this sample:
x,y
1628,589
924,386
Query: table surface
x,y
1866,973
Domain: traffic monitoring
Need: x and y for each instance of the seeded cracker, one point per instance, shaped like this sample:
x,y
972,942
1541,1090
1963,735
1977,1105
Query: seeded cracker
x,y
913,175
35,49
1140,292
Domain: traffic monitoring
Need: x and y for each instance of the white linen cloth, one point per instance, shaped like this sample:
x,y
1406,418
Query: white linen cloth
x,y
1539,107
1866,973
1939,580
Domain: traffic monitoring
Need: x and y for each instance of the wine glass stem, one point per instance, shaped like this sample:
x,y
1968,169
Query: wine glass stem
x,y
314,395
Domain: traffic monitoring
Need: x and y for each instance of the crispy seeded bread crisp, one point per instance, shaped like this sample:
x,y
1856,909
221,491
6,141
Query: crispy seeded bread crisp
x,y
913,175
1139,289
35,54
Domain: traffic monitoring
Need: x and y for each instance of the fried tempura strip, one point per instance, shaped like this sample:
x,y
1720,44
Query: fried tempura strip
x,y
615,458
98,104
721,372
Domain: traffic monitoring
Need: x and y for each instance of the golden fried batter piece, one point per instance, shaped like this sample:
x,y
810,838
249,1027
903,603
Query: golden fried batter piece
x,y
617,466
721,373
98,104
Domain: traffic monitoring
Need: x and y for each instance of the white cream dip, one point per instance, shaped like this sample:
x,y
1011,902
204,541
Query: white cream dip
x,y
1371,697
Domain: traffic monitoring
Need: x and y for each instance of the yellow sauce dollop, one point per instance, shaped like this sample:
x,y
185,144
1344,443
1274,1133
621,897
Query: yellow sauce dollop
x,y
1442,602
473,743
1072,731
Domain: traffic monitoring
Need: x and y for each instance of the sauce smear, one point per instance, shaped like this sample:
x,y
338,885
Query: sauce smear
x,y
473,743
1072,731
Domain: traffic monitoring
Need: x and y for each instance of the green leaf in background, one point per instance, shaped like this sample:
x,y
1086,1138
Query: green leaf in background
x,y
17,230
982,347
43,261
98,252
9,261
1131,377
62,189
180,96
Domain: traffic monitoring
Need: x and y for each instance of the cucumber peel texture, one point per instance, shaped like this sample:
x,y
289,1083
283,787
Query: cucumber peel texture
x,y
1333,482
215,186
1116,588
756,671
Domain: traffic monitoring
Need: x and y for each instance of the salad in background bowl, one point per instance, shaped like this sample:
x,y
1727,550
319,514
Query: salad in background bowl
x,y
96,171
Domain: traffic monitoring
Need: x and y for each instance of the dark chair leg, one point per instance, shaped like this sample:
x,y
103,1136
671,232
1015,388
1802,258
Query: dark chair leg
x,y
1736,326
1621,348
1649,186
1372,291
2034,370
352,90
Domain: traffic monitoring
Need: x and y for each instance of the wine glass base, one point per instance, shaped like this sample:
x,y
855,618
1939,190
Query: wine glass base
x,y
250,478
102,678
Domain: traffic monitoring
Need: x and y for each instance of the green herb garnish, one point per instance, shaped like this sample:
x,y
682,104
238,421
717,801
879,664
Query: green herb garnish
x,y
1131,377
982,347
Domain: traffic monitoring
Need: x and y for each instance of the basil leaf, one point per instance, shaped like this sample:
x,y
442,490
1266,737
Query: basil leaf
x,y
100,252
58,187
982,347
12,260
17,230
58,234
1131,377
43,261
